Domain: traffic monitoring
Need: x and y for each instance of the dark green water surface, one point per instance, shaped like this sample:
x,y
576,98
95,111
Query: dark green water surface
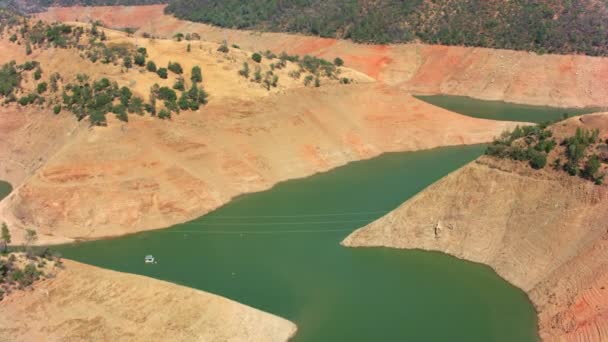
x,y
279,251
499,110
5,189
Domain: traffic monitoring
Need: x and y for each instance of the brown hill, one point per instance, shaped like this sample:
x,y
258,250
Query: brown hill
x,y
150,173
86,303
521,77
544,231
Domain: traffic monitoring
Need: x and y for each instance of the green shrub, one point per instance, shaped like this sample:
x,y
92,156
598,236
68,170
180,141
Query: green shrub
x,y
127,62
164,114
175,68
41,88
538,160
165,93
140,60
10,78
151,66
338,61
179,84
256,57
57,109
136,105
162,73
223,47
245,70
37,74
308,79
197,75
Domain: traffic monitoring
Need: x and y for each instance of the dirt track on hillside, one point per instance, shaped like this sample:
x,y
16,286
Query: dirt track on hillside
x,y
520,77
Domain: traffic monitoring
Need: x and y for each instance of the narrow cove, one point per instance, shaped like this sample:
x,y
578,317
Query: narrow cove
x,y
279,251
499,110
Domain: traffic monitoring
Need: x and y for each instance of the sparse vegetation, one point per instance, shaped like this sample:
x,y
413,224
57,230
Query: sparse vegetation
x,y
245,70
223,47
162,73
175,68
576,155
83,97
151,67
196,75
256,57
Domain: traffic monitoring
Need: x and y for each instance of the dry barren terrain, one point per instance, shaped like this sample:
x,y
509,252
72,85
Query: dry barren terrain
x,y
544,231
86,303
80,182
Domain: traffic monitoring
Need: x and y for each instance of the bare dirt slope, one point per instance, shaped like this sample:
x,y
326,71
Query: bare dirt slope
x,y
543,231
86,303
512,76
150,173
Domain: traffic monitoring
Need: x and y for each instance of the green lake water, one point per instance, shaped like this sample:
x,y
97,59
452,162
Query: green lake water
x,y
5,189
499,110
279,251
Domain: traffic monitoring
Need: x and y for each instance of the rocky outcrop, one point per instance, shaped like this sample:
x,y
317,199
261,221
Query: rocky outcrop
x,y
543,231
86,303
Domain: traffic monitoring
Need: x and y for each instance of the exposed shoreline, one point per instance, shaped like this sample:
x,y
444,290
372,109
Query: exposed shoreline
x,y
542,231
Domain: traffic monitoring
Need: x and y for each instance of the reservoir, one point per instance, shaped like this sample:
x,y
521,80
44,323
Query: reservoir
x,y
279,251
5,189
499,110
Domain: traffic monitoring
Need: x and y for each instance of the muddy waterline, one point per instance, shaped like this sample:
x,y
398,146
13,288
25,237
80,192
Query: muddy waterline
x,y
279,251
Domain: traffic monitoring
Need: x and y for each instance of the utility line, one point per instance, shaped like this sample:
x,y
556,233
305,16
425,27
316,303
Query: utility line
x,y
302,215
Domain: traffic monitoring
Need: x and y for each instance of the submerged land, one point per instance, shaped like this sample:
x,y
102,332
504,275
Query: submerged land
x,y
76,181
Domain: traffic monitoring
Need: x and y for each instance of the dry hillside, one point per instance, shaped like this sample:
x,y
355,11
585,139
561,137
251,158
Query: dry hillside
x,y
542,230
86,303
521,77
149,173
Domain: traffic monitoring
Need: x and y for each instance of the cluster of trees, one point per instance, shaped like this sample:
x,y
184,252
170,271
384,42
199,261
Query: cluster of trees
x,y
577,148
11,75
578,154
528,143
317,67
40,34
96,99
190,99
552,26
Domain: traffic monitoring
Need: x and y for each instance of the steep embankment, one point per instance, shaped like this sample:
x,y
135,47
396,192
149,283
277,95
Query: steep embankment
x,y
151,174
85,303
513,76
543,231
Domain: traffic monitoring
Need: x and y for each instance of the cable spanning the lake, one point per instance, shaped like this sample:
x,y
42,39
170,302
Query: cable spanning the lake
x,y
224,232
274,223
302,215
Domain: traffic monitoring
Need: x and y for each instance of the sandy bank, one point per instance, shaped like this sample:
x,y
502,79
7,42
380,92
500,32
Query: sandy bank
x,y
490,74
86,303
543,231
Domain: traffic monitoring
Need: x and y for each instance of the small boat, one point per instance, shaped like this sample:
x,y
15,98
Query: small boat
x,y
149,259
